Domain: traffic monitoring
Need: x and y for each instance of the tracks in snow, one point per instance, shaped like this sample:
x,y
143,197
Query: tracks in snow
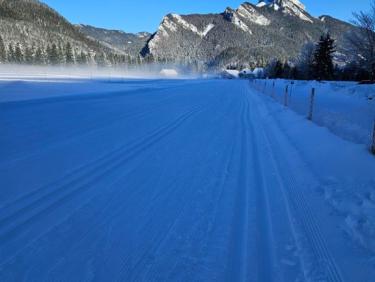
x,y
320,265
19,214
209,197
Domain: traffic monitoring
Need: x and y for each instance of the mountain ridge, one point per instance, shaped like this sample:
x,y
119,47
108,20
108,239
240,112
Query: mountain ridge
x,y
251,34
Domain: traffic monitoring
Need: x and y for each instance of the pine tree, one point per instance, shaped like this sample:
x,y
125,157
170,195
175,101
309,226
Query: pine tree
x,y
82,58
128,59
286,70
90,58
100,59
39,58
323,61
18,55
3,52
11,57
47,53
69,56
60,55
53,54
275,69
29,55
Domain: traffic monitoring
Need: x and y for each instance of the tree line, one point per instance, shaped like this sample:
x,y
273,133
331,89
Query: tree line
x,y
57,54
316,60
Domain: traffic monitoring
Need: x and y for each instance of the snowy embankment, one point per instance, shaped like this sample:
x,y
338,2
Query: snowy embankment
x,y
345,108
347,175
345,171
188,180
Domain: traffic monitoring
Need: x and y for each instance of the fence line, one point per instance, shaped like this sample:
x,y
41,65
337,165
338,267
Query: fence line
x,y
272,92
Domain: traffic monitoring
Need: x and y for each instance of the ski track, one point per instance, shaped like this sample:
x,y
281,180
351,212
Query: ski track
x,y
183,183
326,269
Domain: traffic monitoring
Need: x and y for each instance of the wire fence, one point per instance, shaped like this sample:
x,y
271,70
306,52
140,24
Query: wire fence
x,y
346,109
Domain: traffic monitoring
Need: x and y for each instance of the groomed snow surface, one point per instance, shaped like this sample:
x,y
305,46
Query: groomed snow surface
x,y
177,180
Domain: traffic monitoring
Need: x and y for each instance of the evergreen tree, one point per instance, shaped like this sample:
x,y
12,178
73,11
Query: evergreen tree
x,y
90,58
29,55
39,58
286,71
69,56
323,61
275,69
82,58
53,54
128,59
47,54
112,59
18,55
3,51
11,56
294,73
100,59
60,55
150,59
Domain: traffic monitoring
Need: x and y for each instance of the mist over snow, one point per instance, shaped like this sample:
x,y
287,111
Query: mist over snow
x,y
48,73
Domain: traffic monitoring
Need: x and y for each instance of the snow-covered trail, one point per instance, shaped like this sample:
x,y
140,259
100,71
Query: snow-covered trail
x,y
189,182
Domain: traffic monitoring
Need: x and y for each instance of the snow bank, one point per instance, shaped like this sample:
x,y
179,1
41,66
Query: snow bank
x,y
346,178
345,108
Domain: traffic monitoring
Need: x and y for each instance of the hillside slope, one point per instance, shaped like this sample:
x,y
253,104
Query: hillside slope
x,y
30,22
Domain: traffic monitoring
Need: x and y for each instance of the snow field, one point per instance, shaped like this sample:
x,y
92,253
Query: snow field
x,y
185,180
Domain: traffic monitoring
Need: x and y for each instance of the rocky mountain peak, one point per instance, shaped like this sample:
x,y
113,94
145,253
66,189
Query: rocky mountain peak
x,y
282,3
290,7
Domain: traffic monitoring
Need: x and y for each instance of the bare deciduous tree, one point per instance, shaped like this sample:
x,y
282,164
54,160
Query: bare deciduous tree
x,y
306,60
361,42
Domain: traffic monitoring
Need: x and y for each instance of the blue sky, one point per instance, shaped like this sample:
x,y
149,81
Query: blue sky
x,y
145,15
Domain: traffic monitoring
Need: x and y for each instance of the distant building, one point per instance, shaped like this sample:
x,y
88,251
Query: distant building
x,y
246,73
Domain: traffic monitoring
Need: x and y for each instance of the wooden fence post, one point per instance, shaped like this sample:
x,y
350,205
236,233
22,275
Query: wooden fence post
x,y
373,140
286,96
291,90
311,108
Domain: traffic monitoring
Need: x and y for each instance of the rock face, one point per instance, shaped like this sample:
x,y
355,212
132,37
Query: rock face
x,y
248,35
289,7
